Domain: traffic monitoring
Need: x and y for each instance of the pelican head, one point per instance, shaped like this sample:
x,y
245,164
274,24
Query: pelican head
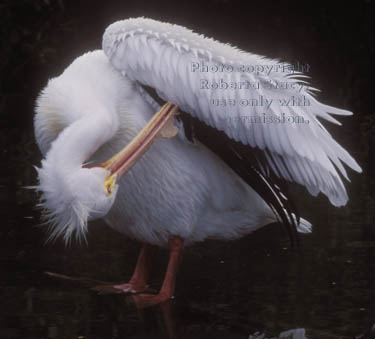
x,y
70,198
72,192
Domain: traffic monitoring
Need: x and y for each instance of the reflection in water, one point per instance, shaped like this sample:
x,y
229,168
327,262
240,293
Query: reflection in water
x,y
62,310
224,289
298,333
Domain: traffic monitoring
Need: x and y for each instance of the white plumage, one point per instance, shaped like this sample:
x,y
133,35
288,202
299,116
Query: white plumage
x,y
162,56
177,188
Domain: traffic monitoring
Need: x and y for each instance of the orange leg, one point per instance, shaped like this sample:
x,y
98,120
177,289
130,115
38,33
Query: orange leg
x,y
176,245
138,281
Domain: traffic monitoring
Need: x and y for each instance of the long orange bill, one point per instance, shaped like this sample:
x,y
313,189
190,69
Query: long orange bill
x,y
124,160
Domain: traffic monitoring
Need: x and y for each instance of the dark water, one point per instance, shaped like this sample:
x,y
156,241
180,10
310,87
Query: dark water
x,y
224,289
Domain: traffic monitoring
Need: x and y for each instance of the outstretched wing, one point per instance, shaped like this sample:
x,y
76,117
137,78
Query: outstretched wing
x,y
260,102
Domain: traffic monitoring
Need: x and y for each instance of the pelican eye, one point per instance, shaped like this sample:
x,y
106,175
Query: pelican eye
x,y
109,184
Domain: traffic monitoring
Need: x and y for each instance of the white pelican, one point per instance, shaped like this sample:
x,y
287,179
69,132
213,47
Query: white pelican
x,y
179,192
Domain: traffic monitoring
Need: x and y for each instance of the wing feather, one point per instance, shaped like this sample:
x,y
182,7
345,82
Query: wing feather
x,y
165,57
